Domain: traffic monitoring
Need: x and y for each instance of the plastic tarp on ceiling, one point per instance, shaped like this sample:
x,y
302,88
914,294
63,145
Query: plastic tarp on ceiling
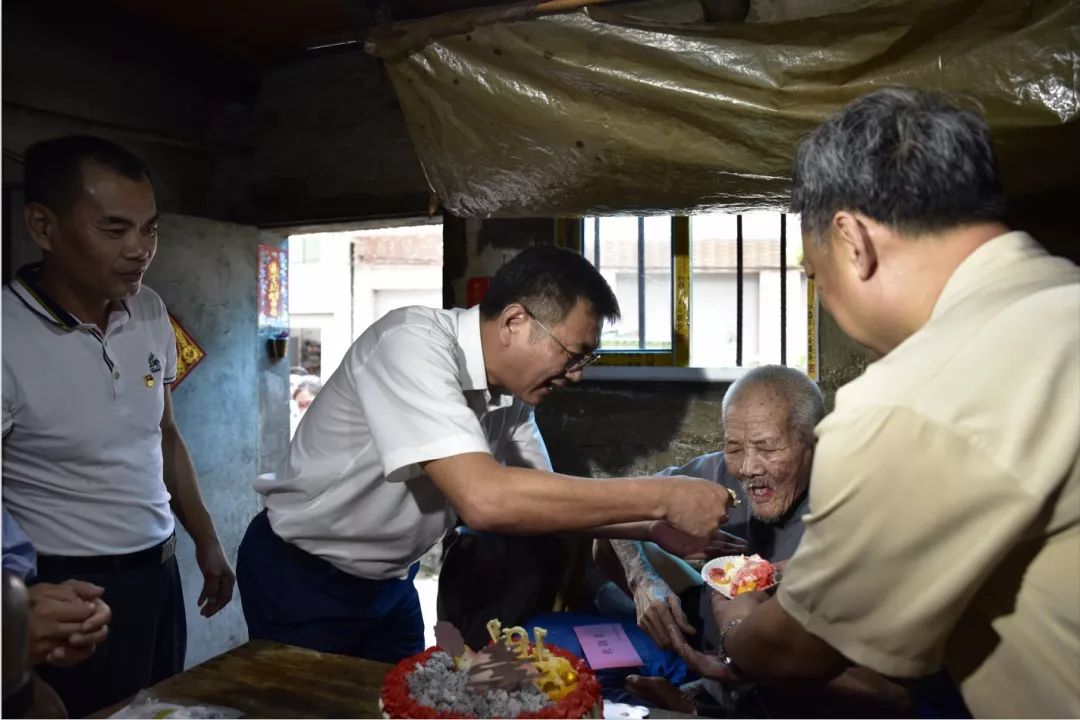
x,y
601,112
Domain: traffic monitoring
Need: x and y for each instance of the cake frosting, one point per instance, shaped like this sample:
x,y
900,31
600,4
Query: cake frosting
x,y
510,678
735,574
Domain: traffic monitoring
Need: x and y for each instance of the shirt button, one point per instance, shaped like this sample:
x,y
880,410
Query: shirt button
x,y
116,376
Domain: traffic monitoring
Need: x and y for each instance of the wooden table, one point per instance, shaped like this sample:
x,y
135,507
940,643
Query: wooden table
x,y
270,680
266,679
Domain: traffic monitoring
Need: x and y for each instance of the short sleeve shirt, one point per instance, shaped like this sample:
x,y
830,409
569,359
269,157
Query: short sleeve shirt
x,y
82,463
945,494
413,388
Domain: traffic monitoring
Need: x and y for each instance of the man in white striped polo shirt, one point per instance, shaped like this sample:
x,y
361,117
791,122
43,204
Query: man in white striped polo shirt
x,y
94,465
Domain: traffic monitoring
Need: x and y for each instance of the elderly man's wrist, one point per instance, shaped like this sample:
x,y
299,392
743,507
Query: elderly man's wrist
x,y
634,582
644,578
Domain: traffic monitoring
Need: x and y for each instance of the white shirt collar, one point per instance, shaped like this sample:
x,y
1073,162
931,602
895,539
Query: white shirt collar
x,y
468,335
475,375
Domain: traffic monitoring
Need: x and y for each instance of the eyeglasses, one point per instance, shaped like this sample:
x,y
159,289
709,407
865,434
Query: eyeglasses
x,y
574,360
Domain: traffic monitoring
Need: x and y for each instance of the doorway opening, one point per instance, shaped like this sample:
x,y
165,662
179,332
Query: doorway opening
x,y
341,282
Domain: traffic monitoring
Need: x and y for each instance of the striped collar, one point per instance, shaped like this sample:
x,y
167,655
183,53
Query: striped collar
x,y
28,289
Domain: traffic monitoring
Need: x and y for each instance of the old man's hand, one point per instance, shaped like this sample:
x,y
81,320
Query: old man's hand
x,y
696,548
659,612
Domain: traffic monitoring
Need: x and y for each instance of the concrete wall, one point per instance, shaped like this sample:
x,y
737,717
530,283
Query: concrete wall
x,y
330,143
217,404
613,429
840,359
138,85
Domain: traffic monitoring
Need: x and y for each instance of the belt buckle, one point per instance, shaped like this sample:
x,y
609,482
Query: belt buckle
x,y
168,549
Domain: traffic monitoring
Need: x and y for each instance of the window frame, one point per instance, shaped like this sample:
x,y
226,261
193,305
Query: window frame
x,y
674,364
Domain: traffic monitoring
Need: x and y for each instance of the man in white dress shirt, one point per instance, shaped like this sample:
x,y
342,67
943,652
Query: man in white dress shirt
x,y
430,418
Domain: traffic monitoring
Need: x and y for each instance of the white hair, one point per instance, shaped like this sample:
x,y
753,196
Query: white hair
x,y
806,404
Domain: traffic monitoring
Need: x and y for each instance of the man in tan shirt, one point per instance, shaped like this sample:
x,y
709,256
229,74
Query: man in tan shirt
x,y
944,524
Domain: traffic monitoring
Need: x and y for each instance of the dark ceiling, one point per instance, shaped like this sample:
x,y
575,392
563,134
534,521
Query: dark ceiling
x,y
270,31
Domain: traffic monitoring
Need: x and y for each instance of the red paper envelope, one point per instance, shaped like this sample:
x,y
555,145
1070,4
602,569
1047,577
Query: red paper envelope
x,y
606,646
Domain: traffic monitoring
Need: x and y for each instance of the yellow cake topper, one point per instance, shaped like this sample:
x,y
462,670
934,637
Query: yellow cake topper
x,y
556,678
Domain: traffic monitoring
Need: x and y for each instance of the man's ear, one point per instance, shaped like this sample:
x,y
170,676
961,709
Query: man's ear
x,y
42,225
513,320
855,243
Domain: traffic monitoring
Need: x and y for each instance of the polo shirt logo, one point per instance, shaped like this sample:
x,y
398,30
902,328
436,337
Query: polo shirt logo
x,y
155,367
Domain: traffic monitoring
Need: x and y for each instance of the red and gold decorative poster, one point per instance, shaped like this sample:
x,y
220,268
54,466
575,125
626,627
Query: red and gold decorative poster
x,y
273,287
188,352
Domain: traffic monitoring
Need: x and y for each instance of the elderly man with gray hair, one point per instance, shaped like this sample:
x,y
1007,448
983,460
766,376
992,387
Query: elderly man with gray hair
x,y
769,416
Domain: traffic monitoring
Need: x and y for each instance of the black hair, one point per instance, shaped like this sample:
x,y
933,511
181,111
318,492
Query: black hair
x,y
549,281
909,159
53,168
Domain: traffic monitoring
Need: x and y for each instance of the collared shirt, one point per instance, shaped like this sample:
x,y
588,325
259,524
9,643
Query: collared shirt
x,y
411,389
82,408
19,555
945,494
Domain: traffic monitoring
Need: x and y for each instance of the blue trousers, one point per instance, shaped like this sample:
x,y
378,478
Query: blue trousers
x,y
291,596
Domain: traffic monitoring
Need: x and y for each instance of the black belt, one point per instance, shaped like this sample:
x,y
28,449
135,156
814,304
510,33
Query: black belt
x,y
72,566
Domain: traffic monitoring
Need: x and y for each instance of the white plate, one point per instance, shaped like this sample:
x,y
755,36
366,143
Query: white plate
x,y
725,588
622,711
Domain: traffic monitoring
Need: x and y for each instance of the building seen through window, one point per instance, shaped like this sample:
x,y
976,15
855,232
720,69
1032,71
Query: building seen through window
x,y
746,289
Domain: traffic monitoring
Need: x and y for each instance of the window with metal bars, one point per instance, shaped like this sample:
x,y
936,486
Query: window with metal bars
x,y
721,291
